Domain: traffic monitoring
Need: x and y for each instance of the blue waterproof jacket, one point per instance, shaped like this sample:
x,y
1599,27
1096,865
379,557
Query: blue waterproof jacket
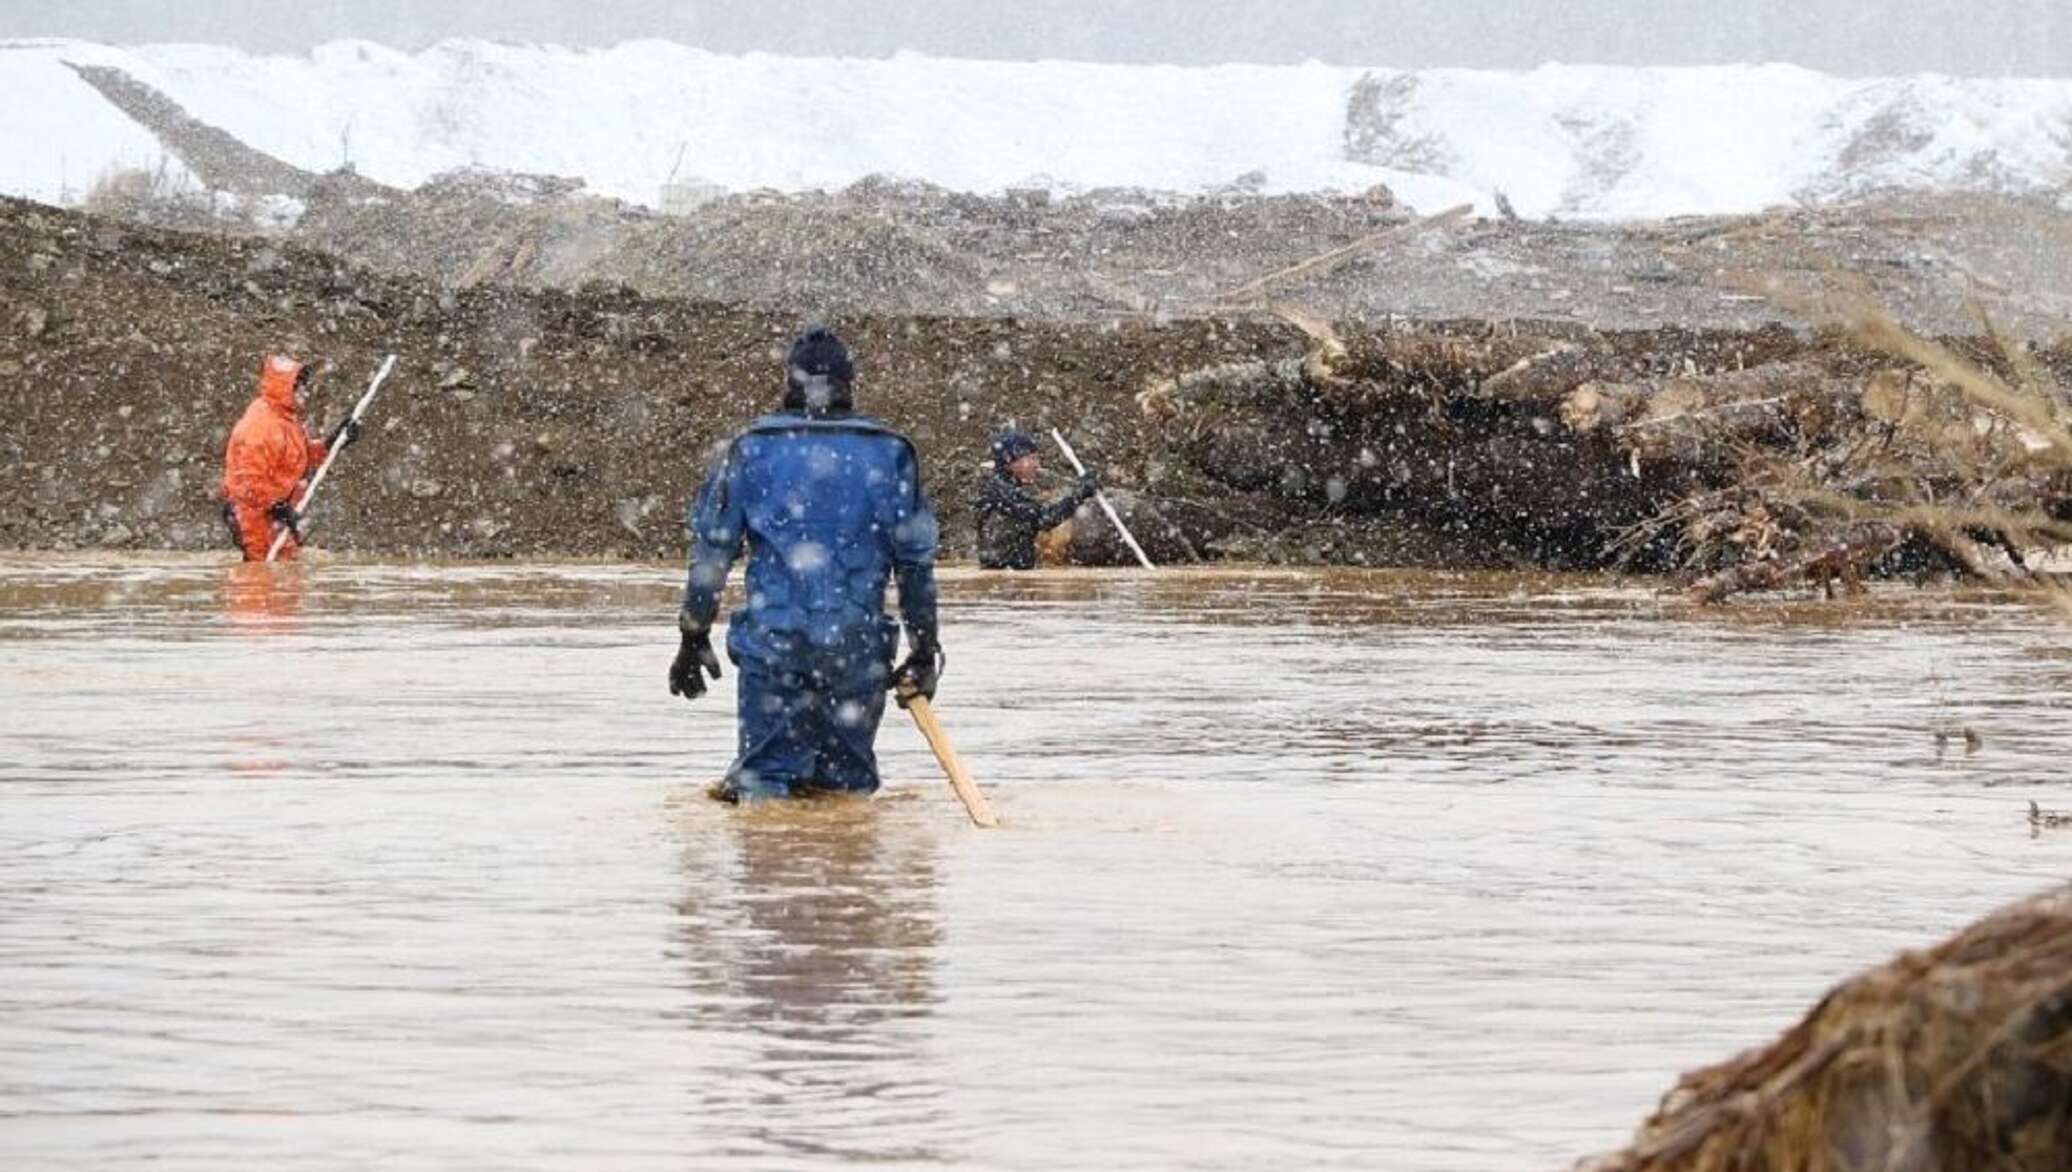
x,y
829,508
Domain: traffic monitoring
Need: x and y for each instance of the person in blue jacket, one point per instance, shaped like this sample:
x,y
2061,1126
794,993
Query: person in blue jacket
x,y
828,504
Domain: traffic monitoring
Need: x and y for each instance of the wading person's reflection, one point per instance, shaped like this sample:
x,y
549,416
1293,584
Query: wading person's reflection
x,y
263,595
818,953
262,600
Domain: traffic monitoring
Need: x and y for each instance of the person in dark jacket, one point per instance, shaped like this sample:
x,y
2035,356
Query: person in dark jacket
x,y
828,506
1009,515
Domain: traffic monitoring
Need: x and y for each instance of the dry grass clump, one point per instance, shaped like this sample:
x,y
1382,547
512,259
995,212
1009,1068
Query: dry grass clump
x,y
161,198
125,192
1955,1058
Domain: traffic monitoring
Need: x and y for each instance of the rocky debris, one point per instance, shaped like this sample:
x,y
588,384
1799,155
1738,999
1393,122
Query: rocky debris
x,y
1103,255
906,247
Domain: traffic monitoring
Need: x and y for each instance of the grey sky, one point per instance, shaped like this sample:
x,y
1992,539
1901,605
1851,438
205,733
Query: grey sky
x,y
1969,37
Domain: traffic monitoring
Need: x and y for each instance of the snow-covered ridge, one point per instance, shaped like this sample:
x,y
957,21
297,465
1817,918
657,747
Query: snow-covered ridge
x,y
1616,143
1584,142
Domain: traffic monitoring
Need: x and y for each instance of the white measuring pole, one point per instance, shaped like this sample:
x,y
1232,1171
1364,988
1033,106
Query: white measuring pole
x,y
280,539
1103,498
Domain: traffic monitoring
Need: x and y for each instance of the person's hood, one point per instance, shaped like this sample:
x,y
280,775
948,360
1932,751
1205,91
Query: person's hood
x,y
277,382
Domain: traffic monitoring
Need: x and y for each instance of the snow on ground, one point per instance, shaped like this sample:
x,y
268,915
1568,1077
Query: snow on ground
x,y
57,135
1585,142
1613,143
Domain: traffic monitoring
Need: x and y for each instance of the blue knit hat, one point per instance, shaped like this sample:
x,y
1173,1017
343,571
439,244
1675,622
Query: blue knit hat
x,y
1011,445
819,373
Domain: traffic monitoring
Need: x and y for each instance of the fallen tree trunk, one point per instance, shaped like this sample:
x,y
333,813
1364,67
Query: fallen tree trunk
x,y
1766,404
1555,371
1325,262
1839,559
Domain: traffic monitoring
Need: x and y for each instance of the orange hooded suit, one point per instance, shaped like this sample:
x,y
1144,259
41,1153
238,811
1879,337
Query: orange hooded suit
x,y
269,459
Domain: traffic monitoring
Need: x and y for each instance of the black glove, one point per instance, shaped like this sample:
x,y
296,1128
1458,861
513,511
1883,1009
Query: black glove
x,y
284,513
345,433
694,657
921,672
1086,486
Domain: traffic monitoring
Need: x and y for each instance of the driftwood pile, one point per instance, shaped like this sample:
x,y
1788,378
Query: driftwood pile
x,y
1955,1058
1746,460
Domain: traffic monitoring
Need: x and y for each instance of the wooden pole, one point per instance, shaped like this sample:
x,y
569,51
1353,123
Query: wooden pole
x,y
1332,258
1102,497
960,779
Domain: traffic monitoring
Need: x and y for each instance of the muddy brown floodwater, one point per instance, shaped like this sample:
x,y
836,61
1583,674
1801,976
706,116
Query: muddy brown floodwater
x,y
395,865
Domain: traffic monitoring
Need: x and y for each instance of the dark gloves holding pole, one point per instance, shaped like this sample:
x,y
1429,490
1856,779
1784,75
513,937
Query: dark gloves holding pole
x,y
345,433
284,514
694,658
919,674
1086,486
1084,475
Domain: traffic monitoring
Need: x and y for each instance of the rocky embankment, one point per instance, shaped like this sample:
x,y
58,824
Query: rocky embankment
x,y
527,421
520,422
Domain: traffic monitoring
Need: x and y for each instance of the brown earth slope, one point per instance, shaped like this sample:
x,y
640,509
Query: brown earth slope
x,y
519,422
532,421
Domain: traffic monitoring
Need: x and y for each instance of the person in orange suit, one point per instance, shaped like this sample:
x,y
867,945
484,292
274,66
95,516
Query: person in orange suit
x,y
270,458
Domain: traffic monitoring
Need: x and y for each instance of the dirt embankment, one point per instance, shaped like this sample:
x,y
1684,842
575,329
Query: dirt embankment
x,y
533,421
519,422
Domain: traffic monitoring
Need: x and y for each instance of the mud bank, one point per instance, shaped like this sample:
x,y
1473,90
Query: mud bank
x,y
530,421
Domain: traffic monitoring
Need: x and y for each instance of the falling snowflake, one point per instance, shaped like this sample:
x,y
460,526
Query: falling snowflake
x,y
807,557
